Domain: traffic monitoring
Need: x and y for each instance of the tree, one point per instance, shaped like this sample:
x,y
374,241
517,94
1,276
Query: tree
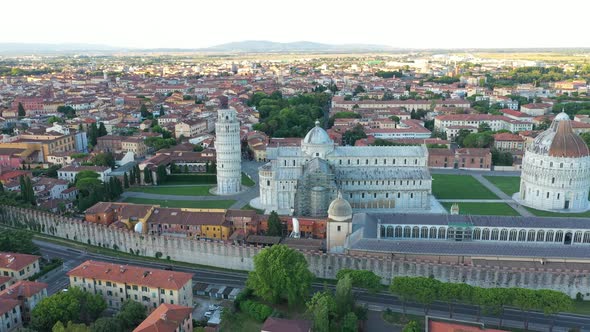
x,y
102,130
132,176
362,278
461,136
74,305
483,127
92,134
185,169
26,190
394,118
426,291
275,227
280,273
586,138
403,288
351,136
68,111
125,180
320,308
104,159
131,315
145,114
454,292
147,175
349,323
70,327
106,324
412,326
359,89
525,300
552,302
21,110
137,174
343,297
478,140
18,241
161,174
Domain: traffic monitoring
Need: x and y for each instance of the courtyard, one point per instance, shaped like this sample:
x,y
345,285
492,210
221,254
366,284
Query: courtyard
x,y
196,204
447,186
508,184
180,190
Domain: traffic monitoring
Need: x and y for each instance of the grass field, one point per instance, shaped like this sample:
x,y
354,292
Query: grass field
x,y
220,204
246,181
202,190
508,184
446,186
200,178
540,213
484,209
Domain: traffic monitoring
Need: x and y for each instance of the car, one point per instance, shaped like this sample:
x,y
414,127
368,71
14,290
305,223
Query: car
x,y
213,307
64,290
208,314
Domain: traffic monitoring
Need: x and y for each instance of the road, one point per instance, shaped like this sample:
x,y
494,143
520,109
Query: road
x,y
57,280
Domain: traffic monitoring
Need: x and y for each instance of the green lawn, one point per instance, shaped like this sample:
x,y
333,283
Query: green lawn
x,y
175,190
540,213
191,178
445,186
484,209
581,307
246,181
217,204
508,184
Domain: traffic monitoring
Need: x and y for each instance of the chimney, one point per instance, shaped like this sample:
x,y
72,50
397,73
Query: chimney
x,y
163,317
122,269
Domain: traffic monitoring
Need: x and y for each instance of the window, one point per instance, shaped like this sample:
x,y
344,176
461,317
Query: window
x,y
424,233
503,235
540,236
171,292
162,291
415,232
549,236
108,284
134,287
407,231
144,289
432,234
495,234
339,227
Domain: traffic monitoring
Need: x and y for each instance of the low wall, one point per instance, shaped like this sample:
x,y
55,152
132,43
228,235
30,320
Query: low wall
x,y
219,254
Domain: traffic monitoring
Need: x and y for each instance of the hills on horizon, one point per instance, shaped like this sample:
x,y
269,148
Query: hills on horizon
x,y
247,46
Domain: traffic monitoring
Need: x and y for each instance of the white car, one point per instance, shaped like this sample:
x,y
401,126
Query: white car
x,y
213,307
208,314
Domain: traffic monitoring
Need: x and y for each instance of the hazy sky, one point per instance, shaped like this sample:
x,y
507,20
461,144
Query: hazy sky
x,y
202,23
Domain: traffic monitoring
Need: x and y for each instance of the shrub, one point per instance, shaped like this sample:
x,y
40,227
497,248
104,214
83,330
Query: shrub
x,y
255,310
362,278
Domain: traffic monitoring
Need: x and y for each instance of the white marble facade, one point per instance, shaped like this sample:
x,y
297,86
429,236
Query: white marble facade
x,y
394,178
228,151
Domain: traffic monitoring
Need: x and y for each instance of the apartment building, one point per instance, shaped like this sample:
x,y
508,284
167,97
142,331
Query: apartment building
x,y
10,315
168,318
18,266
28,293
135,145
496,122
118,283
190,128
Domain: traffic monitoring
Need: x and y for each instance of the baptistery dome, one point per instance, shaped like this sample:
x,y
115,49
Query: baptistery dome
x,y
560,140
556,170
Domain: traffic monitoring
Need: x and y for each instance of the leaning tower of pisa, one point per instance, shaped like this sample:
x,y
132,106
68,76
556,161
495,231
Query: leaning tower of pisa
x,y
228,150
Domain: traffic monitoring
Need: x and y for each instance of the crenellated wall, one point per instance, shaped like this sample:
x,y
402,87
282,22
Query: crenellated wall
x,y
219,254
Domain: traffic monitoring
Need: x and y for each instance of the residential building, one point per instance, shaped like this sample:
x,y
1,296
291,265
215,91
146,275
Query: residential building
x,y
118,283
136,145
190,128
508,142
18,266
10,315
467,158
69,172
168,318
536,109
495,122
28,293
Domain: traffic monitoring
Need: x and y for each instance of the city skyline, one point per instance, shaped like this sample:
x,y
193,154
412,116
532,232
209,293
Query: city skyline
x,y
422,24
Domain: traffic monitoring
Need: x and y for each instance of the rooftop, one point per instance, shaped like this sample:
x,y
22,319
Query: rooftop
x,y
131,275
16,262
166,318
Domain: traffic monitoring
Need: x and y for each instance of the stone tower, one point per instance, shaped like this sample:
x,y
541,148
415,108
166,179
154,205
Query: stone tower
x,y
228,149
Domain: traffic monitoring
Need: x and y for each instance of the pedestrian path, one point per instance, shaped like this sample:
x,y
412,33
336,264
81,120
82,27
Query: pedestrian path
x,y
505,198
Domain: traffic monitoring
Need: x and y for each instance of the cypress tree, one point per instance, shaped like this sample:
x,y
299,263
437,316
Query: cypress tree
x,y
125,180
137,175
21,110
147,175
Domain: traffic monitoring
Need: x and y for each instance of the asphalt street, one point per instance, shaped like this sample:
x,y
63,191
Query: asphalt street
x,y
57,280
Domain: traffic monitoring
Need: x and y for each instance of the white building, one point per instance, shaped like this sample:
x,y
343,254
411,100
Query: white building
x,y
304,180
228,151
69,172
556,170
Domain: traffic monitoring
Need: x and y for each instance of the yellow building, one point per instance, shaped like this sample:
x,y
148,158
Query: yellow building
x,y
18,266
117,283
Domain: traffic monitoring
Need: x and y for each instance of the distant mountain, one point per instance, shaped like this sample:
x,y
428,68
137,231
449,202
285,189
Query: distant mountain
x,y
258,46
41,48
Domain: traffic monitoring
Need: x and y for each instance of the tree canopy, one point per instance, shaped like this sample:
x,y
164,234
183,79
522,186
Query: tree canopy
x,y
275,227
280,273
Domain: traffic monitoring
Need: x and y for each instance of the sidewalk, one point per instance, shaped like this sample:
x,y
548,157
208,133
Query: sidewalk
x,y
507,199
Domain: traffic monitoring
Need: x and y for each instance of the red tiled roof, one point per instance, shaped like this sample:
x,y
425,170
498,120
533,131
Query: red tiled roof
x,y
16,262
507,137
166,318
131,274
23,288
7,305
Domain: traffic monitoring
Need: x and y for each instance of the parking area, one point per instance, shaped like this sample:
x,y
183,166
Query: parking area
x,y
205,304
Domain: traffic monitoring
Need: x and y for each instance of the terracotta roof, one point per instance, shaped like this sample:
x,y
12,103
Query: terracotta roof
x,y
166,318
507,137
131,274
566,143
7,305
98,169
478,152
16,262
23,288
178,216
4,279
273,324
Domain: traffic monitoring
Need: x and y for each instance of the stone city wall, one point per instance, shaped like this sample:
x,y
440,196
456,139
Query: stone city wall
x,y
219,254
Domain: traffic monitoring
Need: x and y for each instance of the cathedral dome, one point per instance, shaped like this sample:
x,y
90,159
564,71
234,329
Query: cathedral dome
x,y
560,140
340,209
317,135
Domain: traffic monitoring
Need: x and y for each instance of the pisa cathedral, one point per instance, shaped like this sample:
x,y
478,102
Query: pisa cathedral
x,y
304,180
